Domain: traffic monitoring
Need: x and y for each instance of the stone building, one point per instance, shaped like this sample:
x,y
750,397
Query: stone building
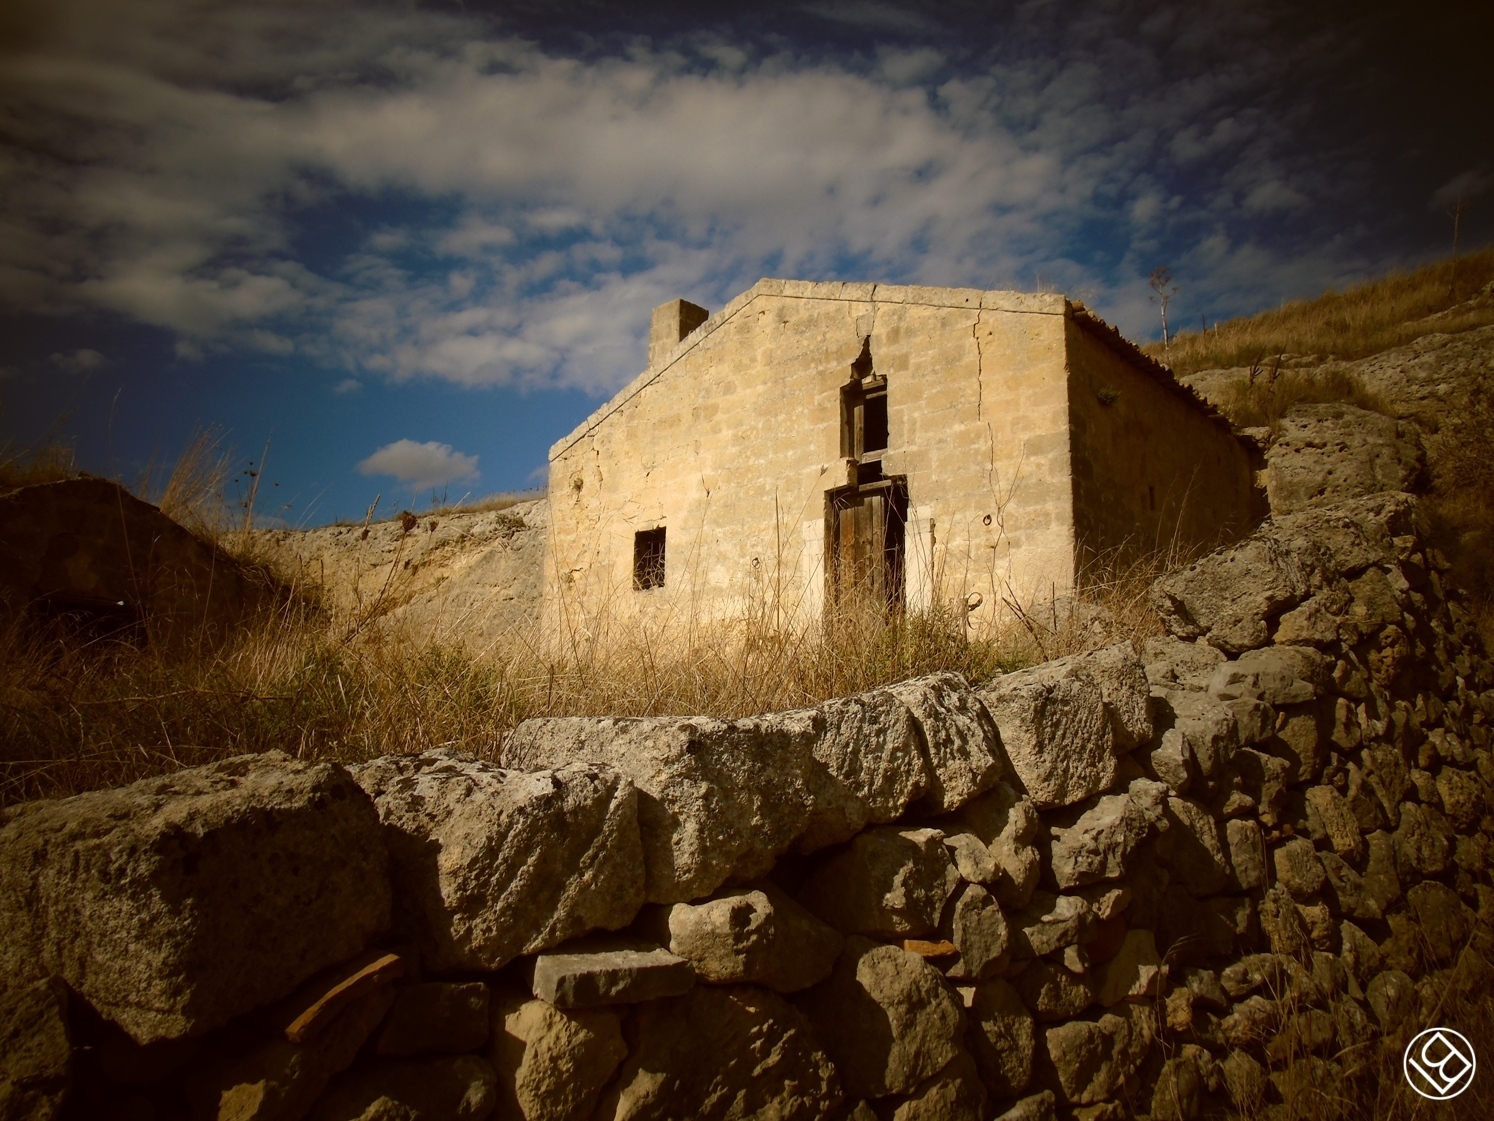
x,y
924,444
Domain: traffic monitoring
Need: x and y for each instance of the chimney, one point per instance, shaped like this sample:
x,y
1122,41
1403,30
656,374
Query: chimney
x,y
671,323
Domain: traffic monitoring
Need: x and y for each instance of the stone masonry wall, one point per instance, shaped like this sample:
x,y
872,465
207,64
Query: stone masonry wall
x,y
1133,492
1224,873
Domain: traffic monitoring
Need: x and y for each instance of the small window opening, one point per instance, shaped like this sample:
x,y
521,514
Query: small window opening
x,y
1151,497
874,424
648,559
863,411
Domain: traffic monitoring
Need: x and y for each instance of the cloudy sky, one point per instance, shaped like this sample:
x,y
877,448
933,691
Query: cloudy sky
x,y
412,244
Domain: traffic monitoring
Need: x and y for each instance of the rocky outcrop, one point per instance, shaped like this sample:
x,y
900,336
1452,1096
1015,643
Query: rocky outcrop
x,y
178,903
1322,455
473,577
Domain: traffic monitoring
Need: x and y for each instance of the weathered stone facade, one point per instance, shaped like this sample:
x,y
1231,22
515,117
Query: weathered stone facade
x,y
1018,436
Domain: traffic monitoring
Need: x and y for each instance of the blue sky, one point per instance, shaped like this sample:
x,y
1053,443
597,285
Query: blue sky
x,y
412,245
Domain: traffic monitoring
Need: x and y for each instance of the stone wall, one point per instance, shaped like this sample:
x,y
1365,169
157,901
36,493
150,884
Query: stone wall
x,y
1133,492
1227,872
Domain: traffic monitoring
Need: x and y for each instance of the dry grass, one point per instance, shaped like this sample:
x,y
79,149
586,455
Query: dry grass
x,y
49,462
1268,393
1384,313
79,714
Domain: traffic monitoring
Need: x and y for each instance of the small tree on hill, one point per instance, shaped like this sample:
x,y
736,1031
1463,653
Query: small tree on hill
x,y
1163,289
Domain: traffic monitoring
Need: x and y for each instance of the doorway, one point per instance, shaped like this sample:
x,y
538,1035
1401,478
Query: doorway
x,y
865,531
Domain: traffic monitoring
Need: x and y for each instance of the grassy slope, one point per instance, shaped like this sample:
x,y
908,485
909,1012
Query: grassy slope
x,y
1361,321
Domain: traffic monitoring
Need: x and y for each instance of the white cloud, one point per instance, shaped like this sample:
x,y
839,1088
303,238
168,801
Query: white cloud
x,y
418,466
83,361
347,385
575,195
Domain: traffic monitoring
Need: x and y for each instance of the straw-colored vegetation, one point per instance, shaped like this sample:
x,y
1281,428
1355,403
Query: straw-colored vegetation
x,y
1361,321
81,714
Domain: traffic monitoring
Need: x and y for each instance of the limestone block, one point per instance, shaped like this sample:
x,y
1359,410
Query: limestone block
x,y
1002,1036
605,970
963,754
1181,1085
1391,996
1283,923
279,1080
489,864
1007,822
954,1094
1093,1059
1191,849
1463,798
887,1019
458,1087
36,1054
1171,661
1049,923
888,882
1052,992
552,1064
759,935
437,1017
1056,733
1247,854
719,798
1329,818
1098,845
1380,880
1298,868
1423,842
1227,596
978,930
1277,675
1133,972
1245,1080
175,904
1035,1107
1442,916
1251,972
1206,725
1300,740
973,858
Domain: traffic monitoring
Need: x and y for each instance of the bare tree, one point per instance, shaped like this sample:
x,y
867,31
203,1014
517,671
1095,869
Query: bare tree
x,y
1163,289
1455,212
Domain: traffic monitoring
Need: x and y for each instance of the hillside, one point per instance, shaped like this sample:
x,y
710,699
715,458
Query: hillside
x,y
473,577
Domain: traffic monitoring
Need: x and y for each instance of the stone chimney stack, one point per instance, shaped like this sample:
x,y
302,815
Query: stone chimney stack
x,y
671,323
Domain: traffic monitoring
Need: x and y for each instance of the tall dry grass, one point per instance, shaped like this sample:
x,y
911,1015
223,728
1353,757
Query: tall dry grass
x,y
1268,393
1364,320
80,712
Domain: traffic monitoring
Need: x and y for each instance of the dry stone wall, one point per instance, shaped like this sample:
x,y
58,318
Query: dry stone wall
x,y
1221,873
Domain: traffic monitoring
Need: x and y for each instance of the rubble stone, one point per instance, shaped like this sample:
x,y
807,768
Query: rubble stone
x,y
728,1052
755,935
887,1019
552,1064
888,882
609,971
177,903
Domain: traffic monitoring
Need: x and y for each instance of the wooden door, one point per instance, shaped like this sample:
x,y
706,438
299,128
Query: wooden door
x,y
864,529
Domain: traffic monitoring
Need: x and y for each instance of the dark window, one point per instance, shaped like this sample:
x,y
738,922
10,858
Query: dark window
x,y
874,424
648,559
